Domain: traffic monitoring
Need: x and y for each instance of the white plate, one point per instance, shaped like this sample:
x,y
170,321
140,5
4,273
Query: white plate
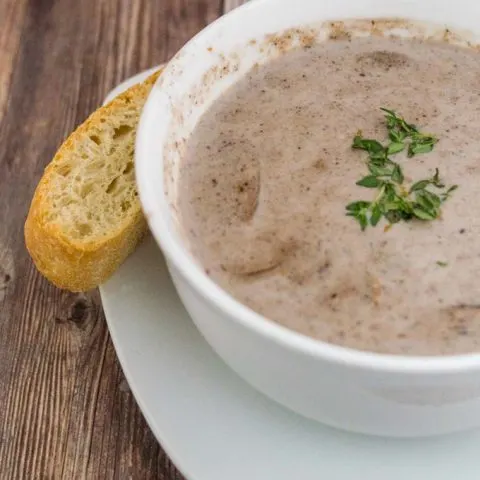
x,y
216,427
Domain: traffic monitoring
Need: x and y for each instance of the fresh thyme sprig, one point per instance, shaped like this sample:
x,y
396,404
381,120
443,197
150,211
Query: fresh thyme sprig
x,y
393,201
399,131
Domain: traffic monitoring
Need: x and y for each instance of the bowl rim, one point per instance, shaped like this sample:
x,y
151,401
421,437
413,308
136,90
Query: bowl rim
x,y
182,260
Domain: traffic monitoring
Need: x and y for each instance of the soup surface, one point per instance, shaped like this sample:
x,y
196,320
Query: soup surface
x,y
270,169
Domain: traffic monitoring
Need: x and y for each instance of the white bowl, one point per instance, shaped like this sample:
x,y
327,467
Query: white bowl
x,y
353,390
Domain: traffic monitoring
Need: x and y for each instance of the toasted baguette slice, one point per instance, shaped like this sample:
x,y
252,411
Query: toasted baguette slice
x,y
85,217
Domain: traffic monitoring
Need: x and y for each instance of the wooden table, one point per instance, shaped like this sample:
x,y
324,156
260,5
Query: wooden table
x,y
65,408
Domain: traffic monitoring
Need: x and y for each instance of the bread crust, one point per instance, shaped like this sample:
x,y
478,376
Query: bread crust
x,y
67,262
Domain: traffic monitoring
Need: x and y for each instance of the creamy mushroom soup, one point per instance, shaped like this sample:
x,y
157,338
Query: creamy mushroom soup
x,y
270,171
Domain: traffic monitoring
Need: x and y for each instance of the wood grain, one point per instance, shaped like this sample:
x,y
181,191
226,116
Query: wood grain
x,y
231,4
66,410
12,14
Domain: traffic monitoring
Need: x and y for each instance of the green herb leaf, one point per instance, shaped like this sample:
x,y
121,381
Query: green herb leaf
x,y
379,156
356,207
390,192
370,181
432,198
397,174
376,215
442,264
445,196
379,170
371,146
417,148
394,216
421,185
398,124
423,214
396,136
395,147
363,220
